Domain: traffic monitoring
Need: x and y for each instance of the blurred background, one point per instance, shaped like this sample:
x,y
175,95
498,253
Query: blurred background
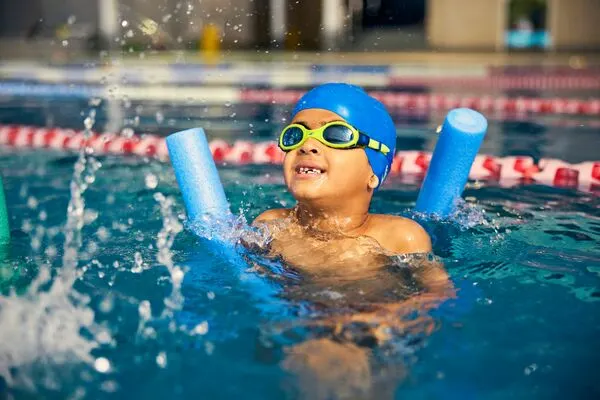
x,y
524,250
41,27
235,67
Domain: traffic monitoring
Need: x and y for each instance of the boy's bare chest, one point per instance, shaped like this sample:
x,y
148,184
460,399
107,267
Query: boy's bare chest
x,y
325,256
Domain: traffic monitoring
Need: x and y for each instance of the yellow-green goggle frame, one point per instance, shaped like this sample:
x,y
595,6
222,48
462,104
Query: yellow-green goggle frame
x,y
358,139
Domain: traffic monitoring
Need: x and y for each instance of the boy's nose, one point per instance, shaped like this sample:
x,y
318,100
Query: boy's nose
x,y
311,146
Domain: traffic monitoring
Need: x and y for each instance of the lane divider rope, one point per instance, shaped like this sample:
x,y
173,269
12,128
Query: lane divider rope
x,y
584,176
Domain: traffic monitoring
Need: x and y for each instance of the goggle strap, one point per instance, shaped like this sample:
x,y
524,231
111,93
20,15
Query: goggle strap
x,y
374,144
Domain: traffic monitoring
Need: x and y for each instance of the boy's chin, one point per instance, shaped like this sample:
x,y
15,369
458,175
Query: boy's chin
x,y
308,194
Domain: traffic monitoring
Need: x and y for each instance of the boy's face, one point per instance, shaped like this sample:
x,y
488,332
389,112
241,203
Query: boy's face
x,y
340,174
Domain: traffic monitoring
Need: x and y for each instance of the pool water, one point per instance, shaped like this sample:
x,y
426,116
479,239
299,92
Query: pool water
x,y
108,322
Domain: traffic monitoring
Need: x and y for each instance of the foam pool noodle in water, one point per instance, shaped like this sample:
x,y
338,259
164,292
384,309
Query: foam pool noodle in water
x,y
459,141
207,207
4,227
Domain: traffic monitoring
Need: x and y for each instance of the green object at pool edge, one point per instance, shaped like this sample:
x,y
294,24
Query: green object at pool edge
x,y
4,229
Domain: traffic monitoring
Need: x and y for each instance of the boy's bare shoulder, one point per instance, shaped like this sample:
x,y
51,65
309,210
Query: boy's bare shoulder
x,y
399,234
269,215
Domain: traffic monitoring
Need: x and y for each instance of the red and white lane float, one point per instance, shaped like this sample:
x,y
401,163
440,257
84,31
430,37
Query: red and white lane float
x,y
505,170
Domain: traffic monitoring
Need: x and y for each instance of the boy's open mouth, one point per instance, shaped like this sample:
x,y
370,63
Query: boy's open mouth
x,y
309,170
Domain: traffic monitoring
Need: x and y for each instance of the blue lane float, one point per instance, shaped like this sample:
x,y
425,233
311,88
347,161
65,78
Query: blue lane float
x,y
460,138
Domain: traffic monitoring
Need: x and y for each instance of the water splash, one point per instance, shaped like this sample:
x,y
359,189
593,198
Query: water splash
x,y
52,324
171,227
225,229
84,173
42,328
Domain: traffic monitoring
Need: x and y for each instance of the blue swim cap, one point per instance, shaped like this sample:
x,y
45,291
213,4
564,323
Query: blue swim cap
x,y
361,111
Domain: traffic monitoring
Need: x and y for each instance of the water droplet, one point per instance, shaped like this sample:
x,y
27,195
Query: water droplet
x,y
530,369
91,248
138,263
88,123
109,386
145,310
103,337
127,132
102,365
201,328
32,203
94,102
124,23
35,243
106,305
103,234
50,251
161,359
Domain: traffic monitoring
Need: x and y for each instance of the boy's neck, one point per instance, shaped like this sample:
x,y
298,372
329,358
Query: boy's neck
x,y
332,220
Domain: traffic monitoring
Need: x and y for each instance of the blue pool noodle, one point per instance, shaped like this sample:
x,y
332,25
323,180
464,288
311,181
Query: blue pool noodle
x,y
459,141
204,196
197,175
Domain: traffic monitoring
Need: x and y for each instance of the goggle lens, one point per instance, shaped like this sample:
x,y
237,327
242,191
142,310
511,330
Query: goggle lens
x,y
337,134
292,136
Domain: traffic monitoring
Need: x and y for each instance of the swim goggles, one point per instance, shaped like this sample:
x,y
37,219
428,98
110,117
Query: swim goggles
x,y
336,134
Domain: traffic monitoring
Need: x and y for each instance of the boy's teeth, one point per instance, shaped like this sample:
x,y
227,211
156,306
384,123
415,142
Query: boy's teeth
x,y
304,170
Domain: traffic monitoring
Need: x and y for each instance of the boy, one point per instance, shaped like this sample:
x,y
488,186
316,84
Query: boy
x,y
339,149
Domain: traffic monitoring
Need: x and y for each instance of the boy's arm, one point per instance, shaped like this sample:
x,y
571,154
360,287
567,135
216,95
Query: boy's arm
x,y
405,236
401,235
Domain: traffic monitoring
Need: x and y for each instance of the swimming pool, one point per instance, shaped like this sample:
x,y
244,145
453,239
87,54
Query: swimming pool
x,y
525,260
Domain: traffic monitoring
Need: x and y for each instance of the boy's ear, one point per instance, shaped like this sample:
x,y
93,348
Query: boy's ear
x,y
373,182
